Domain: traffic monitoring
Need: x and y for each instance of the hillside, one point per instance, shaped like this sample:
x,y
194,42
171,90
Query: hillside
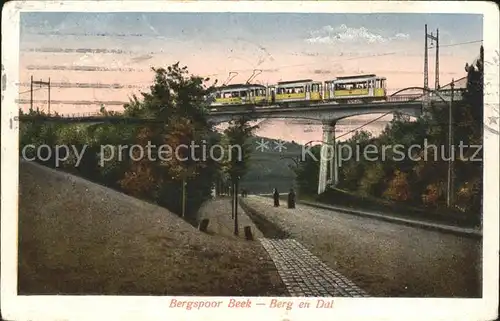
x,y
78,237
271,168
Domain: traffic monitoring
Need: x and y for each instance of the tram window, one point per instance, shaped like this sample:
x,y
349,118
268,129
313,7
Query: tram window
x,y
217,95
243,94
383,83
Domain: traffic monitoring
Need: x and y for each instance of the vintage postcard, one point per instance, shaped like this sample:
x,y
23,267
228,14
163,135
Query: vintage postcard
x,y
243,160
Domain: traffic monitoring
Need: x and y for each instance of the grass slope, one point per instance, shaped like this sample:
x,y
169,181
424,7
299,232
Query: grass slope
x,y
77,237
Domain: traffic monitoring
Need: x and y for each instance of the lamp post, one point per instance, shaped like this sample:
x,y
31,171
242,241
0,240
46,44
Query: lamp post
x,y
235,193
184,183
449,196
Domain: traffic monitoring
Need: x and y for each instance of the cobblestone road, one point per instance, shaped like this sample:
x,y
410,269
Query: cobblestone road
x,y
384,259
304,274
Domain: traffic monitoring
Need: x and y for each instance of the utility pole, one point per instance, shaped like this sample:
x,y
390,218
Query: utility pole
x,y
436,85
449,196
426,59
40,83
31,93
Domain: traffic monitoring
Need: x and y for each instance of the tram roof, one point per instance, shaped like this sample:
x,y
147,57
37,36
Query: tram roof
x,y
289,82
356,76
241,86
355,79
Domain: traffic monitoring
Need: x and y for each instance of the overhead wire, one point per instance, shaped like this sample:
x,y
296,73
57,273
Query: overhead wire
x,y
340,60
27,91
383,115
379,117
354,58
364,125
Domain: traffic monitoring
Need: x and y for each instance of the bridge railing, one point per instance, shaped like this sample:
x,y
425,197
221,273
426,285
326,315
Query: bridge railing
x,y
79,115
405,97
446,95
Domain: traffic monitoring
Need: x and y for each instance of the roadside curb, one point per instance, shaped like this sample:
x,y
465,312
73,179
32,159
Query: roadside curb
x,y
266,227
425,225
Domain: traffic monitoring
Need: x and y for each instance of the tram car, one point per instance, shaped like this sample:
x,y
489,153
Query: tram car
x,y
286,92
349,89
240,94
363,87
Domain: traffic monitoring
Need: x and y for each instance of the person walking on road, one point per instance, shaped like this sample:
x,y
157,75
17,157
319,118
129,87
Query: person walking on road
x,y
276,197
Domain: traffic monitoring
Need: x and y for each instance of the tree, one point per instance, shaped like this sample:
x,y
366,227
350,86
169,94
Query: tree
x,y
143,178
178,98
237,136
399,188
308,172
373,180
185,162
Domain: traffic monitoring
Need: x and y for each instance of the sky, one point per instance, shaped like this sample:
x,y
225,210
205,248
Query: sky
x,y
285,46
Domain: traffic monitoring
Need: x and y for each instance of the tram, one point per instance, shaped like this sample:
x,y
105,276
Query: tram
x,y
365,88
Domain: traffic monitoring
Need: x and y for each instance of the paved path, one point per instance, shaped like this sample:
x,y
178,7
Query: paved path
x,y
304,274
218,211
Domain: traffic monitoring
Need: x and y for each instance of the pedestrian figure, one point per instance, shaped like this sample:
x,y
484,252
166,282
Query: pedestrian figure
x,y
291,199
276,197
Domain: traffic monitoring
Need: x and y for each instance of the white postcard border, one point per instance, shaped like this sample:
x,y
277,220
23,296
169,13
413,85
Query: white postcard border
x,y
139,308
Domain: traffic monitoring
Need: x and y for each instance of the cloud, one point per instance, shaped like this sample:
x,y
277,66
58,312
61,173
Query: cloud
x,y
403,36
344,34
97,24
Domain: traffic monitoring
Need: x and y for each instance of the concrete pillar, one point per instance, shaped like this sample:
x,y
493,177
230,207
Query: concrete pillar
x,y
326,156
334,163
